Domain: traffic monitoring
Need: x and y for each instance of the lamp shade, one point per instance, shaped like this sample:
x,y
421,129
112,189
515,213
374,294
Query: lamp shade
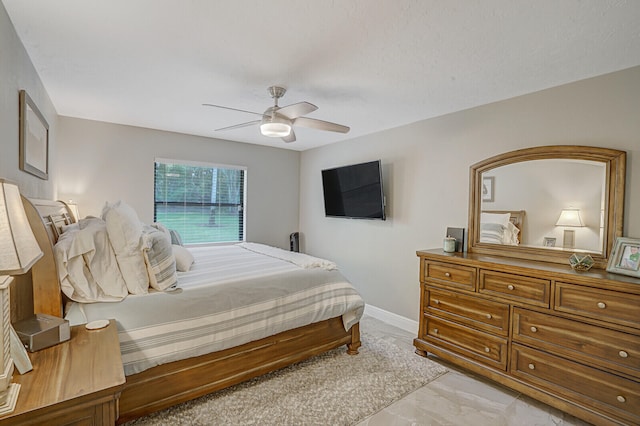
x,y
275,126
19,249
570,217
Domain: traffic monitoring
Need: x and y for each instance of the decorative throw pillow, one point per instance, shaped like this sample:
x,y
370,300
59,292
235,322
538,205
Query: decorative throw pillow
x,y
158,256
176,239
160,227
184,258
492,233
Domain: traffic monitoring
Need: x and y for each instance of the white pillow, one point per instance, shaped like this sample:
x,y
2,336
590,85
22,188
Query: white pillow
x,y
123,226
500,218
184,258
87,265
510,236
125,234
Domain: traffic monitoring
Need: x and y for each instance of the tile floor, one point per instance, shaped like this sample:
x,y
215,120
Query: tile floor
x,y
460,398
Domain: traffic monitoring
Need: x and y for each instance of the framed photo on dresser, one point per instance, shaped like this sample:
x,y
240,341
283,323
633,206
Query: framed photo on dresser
x,y
625,258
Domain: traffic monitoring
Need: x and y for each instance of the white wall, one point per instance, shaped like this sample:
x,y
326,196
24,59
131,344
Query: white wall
x,y
16,73
100,162
426,168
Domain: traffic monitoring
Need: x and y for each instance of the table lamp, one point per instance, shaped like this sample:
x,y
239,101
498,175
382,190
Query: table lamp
x,y
570,218
19,251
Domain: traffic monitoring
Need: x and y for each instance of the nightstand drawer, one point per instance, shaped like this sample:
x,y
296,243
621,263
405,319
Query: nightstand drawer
x,y
479,313
486,348
534,291
600,304
451,275
595,388
610,349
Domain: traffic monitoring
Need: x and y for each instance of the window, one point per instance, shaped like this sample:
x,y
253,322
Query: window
x,y
203,202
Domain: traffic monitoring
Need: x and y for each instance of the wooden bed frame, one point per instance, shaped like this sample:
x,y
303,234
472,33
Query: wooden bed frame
x,y
169,384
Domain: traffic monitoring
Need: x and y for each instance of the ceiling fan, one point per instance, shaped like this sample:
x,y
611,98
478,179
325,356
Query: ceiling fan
x,y
278,122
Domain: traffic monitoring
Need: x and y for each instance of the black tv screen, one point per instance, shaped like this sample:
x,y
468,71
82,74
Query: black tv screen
x,y
354,191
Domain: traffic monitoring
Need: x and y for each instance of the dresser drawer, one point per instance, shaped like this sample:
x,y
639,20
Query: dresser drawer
x,y
478,313
587,343
486,348
606,305
450,275
534,291
595,388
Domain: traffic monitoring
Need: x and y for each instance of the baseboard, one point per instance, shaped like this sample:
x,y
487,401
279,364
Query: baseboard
x,y
394,319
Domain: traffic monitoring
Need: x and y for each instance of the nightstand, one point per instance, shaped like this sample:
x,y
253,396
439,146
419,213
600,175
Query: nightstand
x,y
75,382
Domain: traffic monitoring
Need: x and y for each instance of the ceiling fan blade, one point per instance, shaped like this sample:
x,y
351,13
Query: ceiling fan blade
x,y
233,109
320,125
297,110
237,126
290,138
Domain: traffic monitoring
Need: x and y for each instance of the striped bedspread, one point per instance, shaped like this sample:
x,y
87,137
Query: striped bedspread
x,y
231,296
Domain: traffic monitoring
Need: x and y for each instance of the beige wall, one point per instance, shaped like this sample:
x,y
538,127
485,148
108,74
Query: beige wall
x,y
426,167
100,162
16,73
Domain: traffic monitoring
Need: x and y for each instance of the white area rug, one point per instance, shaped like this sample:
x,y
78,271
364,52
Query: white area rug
x,y
329,389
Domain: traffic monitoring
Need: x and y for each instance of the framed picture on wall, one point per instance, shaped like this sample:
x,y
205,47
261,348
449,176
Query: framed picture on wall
x,y
487,188
625,258
34,138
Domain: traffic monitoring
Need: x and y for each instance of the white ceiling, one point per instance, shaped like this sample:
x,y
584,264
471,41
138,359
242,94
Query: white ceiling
x,y
367,64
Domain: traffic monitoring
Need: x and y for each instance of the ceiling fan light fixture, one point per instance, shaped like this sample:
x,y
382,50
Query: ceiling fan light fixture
x,y
275,127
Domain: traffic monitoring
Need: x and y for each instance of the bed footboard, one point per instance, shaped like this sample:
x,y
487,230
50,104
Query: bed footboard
x,y
170,384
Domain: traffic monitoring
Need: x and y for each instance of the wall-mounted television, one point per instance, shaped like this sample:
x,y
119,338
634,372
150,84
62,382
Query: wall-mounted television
x,y
354,191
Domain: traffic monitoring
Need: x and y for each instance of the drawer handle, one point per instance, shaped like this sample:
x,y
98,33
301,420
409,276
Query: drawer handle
x,y
511,287
621,398
447,274
435,331
601,305
489,316
532,366
436,302
623,354
534,329
487,350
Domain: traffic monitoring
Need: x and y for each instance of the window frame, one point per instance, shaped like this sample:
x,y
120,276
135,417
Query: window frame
x,y
203,164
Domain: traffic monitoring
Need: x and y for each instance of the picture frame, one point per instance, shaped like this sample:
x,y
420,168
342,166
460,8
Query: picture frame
x,y
34,138
625,257
488,188
549,242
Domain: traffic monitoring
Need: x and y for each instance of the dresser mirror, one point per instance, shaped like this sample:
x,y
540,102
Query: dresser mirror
x,y
546,203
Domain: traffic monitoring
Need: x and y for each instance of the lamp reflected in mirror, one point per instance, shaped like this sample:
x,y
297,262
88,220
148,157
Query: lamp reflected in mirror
x,y
570,218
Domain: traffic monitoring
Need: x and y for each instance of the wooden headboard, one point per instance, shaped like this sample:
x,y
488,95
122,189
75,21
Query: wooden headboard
x,y
46,219
516,217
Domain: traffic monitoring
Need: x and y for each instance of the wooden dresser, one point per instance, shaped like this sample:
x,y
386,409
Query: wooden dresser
x,y
569,339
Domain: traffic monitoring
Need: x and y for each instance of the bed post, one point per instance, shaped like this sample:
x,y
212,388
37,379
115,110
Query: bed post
x,y
352,347
47,298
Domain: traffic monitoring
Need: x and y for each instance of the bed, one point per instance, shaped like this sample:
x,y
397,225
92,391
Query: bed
x,y
229,348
